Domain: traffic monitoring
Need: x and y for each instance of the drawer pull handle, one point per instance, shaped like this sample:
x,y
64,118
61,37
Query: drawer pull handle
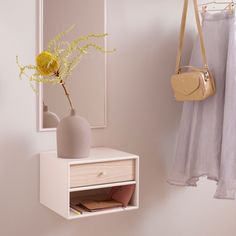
x,y
102,173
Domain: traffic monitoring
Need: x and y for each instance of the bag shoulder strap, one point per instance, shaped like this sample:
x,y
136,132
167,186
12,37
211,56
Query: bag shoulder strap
x,y
182,33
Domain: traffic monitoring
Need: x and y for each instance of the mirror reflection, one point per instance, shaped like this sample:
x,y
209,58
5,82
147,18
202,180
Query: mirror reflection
x,y
87,85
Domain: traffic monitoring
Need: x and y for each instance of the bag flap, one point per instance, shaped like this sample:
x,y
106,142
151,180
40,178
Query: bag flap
x,y
186,83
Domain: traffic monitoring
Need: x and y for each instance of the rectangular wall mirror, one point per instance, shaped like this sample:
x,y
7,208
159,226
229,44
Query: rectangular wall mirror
x,y
87,84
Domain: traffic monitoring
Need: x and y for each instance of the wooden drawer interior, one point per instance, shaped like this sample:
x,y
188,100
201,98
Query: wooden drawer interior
x,y
101,173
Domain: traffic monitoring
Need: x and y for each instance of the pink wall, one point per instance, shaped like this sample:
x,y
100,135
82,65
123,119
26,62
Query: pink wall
x,y
143,118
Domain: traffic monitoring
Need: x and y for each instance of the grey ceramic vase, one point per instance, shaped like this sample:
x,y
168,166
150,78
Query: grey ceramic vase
x,y
73,137
50,119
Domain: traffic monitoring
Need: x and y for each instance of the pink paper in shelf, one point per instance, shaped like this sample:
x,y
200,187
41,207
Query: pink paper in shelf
x,y
122,194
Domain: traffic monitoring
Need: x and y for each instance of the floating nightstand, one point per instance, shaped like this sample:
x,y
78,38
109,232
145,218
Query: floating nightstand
x,y
61,180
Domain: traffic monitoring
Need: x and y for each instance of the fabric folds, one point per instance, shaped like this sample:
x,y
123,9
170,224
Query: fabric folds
x,y
206,145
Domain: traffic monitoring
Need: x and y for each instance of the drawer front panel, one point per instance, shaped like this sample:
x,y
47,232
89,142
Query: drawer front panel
x,y
102,173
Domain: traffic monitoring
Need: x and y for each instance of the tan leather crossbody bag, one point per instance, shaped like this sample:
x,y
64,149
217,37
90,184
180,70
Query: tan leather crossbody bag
x,y
195,84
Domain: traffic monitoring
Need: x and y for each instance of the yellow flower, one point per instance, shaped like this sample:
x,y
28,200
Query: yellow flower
x,y
47,64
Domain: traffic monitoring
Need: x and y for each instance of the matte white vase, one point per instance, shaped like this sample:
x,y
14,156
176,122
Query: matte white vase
x,y
73,137
50,119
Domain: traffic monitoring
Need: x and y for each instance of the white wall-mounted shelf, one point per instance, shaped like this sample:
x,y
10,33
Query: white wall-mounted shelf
x,y
61,179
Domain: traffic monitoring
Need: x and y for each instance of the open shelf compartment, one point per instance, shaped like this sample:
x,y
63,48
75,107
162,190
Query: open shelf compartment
x,y
98,195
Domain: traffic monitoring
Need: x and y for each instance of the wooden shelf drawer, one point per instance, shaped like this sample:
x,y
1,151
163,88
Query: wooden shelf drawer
x,y
101,173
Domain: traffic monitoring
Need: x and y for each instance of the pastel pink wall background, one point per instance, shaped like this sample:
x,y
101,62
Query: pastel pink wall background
x,y
143,118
